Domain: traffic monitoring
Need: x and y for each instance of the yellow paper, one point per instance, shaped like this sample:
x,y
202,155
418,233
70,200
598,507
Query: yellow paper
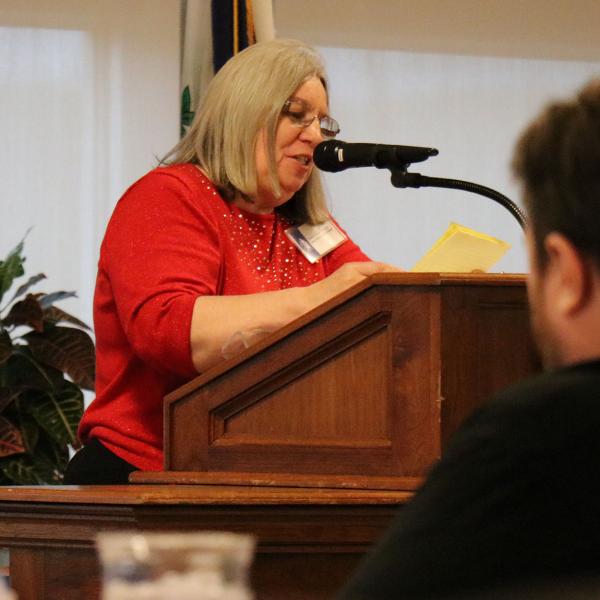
x,y
462,250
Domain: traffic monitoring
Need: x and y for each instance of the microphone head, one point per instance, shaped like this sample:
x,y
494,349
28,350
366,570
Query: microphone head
x,y
334,155
329,156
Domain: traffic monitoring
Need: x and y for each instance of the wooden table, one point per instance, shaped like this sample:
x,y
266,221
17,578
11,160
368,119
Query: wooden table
x,y
309,540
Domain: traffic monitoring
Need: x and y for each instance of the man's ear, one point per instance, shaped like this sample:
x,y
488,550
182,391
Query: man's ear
x,y
568,276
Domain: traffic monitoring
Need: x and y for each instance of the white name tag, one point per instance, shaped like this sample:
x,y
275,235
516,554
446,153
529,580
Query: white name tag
x,y
315,241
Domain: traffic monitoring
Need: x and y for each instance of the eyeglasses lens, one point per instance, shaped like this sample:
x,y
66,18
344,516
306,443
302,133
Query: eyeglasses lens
x,y
299,115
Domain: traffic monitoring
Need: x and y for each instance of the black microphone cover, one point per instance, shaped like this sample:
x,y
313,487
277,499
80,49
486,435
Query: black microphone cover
x,y
335,155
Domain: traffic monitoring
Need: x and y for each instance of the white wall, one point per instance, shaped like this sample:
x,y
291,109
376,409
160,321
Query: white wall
x,y
463,76
89,96
549,29
470,108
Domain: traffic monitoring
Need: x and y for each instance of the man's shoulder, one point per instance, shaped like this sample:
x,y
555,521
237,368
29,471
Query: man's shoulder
x,y
569,386
557,405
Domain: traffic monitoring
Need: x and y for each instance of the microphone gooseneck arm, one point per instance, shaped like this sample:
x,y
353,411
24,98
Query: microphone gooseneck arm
x,y
401,179
335,155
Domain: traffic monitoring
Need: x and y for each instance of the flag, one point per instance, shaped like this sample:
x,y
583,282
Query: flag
x,y
232,29
213,32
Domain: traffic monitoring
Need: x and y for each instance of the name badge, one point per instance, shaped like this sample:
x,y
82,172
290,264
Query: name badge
x,y
316,241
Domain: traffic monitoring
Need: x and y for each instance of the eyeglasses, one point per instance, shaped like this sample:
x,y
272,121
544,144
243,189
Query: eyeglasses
x,y
297,112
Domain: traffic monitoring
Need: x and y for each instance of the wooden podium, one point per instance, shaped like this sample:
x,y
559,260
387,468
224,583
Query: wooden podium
x,y
362,392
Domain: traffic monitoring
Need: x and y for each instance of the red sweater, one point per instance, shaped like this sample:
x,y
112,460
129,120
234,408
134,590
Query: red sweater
x,y
171,239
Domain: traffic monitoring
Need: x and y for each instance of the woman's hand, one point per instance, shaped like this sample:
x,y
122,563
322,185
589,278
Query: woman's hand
x,y
342,279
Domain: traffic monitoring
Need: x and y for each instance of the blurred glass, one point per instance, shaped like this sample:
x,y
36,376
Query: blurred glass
x,y
5,592
180,566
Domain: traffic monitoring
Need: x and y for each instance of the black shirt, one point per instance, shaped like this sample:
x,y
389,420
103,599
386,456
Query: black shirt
x,y
515,497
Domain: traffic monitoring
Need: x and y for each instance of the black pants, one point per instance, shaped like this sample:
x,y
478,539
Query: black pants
x,y
95,464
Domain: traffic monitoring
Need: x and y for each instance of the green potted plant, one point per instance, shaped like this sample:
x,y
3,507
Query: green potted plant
x,y
46,359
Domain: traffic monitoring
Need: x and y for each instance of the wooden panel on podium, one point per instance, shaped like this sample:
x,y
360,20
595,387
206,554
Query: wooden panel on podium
x,y
361,392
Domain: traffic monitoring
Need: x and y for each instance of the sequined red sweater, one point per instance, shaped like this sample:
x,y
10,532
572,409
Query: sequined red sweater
x,y
171,239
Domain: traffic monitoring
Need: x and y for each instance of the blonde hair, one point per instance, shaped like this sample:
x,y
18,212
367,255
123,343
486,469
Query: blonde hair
x,y
245,97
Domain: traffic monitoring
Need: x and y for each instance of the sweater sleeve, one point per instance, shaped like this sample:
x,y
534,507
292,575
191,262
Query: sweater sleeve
x,y
161,251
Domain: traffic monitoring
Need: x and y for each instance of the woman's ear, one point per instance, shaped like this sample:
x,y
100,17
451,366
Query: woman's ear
x,y
567,276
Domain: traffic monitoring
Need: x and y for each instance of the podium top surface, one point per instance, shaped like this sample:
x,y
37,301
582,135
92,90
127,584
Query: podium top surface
x,y
447,279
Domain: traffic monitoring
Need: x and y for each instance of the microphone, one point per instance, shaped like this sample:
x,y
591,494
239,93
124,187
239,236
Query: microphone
x,y
335,155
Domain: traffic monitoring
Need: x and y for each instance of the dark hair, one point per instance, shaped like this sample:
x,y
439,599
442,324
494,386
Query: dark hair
x,y
557,159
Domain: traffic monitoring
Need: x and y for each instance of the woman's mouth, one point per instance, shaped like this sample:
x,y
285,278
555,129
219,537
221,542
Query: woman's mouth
x,y
303,159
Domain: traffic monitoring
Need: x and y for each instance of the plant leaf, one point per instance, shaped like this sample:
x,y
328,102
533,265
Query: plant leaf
x,y
27,470
187,115
6,346
58,413
11,268
28,426
49,299
54,315
30,430
21,471
66,349
186,99
7,395
29,283
26,312
55,454
11,440
23,372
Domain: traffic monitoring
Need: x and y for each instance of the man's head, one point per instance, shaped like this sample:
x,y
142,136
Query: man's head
x,y
558,161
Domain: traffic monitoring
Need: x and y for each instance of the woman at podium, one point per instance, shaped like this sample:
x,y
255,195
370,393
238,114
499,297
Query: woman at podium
x,y
227,240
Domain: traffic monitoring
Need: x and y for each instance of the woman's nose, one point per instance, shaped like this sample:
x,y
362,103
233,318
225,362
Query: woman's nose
x,y
312,133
